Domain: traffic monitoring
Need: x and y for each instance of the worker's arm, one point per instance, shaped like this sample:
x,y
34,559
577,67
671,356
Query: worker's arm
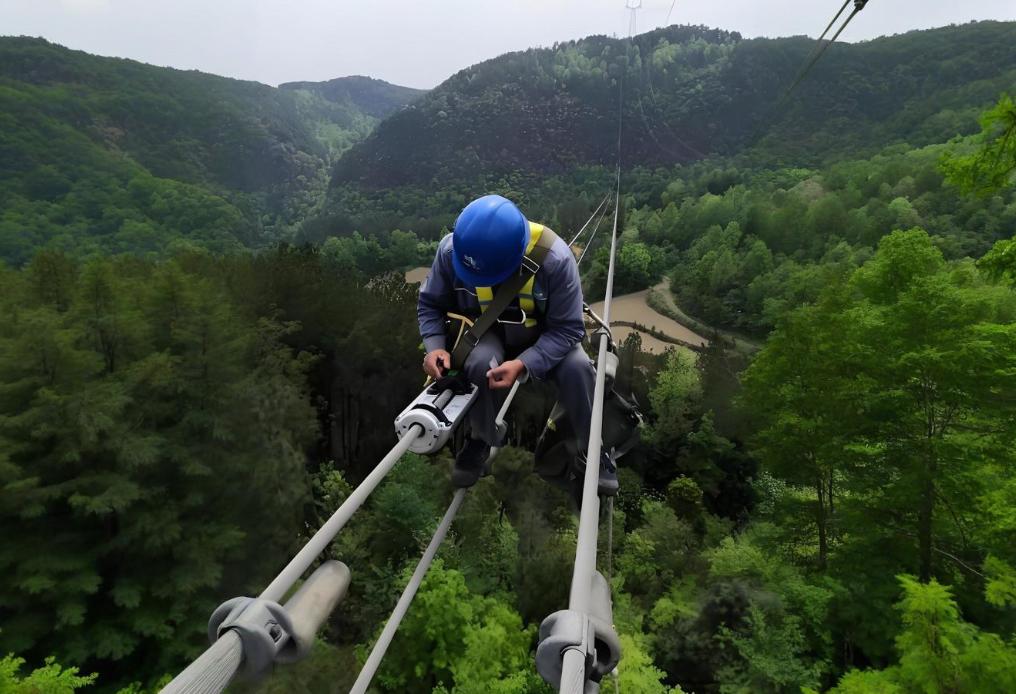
x,y
563,327
437,297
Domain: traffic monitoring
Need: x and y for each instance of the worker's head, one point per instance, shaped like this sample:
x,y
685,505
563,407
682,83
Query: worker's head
x,y
489,241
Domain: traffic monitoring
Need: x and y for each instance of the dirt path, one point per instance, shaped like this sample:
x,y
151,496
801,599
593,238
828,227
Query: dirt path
x,y
417,275
633,308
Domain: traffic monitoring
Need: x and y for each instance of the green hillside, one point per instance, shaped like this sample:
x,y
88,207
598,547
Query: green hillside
x,y
343,111
690,92
120,155
371,97
825,506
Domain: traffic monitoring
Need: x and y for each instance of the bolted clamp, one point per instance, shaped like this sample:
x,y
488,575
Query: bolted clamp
x,y
572,630
592,634
563,631
263,626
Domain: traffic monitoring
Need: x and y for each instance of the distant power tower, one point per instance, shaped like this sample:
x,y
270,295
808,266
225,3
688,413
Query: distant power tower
x,y
633,7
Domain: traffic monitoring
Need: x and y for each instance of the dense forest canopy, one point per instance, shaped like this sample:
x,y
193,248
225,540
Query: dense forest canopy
x,y
825,504
690,92
118,155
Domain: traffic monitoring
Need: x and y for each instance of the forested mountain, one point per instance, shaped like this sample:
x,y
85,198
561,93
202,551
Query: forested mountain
x,y
689,92
828,507
163,153
373,97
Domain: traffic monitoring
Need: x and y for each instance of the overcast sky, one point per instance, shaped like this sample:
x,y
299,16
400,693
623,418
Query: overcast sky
x,y
418,42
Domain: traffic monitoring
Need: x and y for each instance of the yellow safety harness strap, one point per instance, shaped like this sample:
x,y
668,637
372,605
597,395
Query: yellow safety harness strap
x,y
506,293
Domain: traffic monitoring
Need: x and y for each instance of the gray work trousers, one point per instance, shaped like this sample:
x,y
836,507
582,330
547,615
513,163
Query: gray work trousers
x,y
574,377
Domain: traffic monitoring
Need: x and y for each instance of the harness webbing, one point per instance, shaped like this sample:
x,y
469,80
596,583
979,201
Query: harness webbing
x,y
506,293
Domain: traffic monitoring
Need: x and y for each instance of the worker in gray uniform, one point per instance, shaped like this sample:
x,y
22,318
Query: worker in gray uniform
x,y
536,333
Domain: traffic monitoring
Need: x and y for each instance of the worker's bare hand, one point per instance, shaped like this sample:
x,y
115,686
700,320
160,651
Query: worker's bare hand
x,y
436,363
505,375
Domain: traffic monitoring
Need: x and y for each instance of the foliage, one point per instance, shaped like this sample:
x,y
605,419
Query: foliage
x,y
115,155
886,396
990,168
939,652
636,672
543,110
674,397
51,678
455,639
130,404
133,396
754,547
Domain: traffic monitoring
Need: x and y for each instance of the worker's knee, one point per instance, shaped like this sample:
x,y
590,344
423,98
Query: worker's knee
x,y
575,370
478,362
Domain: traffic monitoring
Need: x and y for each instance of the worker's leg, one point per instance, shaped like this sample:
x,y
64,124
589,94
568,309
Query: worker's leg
x,y
575,378
487,402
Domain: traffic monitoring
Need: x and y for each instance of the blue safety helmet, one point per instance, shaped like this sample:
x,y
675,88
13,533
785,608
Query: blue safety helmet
x,y
489,241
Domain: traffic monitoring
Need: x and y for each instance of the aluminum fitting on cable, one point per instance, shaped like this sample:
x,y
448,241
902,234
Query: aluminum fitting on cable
x,y
594,338
263,626
560,632
438,410
589,634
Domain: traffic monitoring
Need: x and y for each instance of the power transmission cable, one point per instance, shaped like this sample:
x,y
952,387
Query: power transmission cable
x,y
833,21
377,653
648,81
216,667
823,47
573,672
592,236
380,648
579,233
669,12
810,63
610,573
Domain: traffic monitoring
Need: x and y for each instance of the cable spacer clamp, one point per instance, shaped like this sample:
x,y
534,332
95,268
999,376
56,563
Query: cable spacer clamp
x,y
603,330
563,631
263,626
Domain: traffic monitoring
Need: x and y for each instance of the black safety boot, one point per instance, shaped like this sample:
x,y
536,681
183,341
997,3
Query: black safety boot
x,y
470,463
607,485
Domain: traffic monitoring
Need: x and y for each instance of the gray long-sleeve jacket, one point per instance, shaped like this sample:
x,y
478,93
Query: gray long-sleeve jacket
x,y
558,296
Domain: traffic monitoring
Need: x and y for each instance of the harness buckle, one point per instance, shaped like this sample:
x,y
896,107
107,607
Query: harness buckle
x,y
530,264
521,321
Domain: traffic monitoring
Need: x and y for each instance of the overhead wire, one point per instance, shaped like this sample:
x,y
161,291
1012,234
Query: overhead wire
x,y
610,567
820,50
215,668
573,666
833,20
809,63
377,653
592,236
384,640
579,233
380,648
646,78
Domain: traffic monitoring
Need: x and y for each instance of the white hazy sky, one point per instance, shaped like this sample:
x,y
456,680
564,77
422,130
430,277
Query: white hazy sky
x,y
418,43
